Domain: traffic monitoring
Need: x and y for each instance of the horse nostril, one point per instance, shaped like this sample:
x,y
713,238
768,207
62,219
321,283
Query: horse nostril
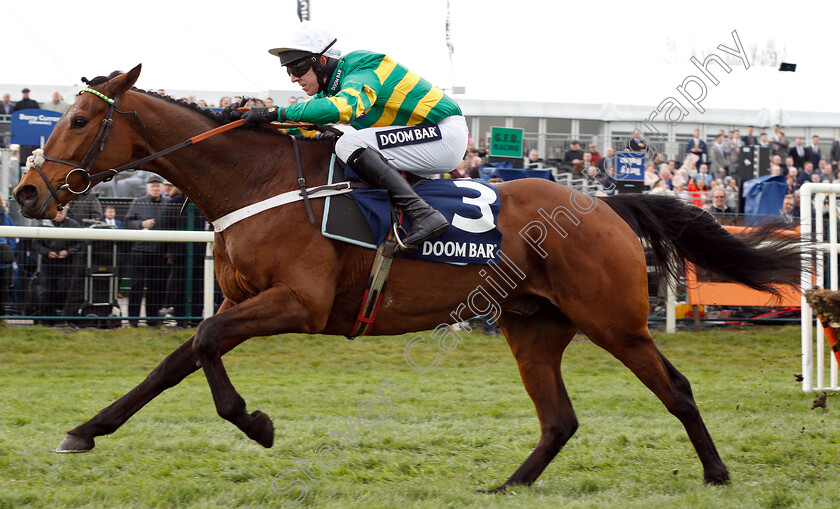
x,y
26,193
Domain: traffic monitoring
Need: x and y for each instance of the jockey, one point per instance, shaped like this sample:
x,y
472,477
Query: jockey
x,y
379,99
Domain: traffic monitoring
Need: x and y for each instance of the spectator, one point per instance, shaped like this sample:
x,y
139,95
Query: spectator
x,y
56,104
292,100
7,108
703,172
824,170
792,184
179,303
806,173
779,145
699,193
7,260
732,193
733,150
573,155
813,152
763,142
835,155
477,162
587,161
110,217
636,143
797,152
789,208
533,160
666,175
202,103
61,265
718,205
605,163
26,103
224,102
147,263
269,102
789,166
697,146
718,160
749,139
593,149
651,176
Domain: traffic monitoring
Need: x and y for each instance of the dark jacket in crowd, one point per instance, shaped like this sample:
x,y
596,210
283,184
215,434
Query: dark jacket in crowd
x,y
145,208
27,104
72,246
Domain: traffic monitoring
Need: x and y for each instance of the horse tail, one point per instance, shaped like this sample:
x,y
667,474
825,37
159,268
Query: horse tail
x,y
678,231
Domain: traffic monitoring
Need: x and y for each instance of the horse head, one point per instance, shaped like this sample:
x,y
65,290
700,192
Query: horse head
x,y
89,139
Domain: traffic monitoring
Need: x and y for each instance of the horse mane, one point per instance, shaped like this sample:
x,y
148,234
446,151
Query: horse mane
x,y
206,112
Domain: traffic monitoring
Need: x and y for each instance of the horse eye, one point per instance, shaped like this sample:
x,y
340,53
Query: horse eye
x,y
79,122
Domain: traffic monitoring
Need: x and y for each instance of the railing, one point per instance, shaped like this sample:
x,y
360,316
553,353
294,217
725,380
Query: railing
x,y
813,348
102,273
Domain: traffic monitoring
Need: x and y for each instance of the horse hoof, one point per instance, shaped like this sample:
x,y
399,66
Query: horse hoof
x,y
74,444
719,479
261,429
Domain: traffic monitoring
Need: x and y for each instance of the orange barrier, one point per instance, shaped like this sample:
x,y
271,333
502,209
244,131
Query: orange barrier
x,y
735,294
831,337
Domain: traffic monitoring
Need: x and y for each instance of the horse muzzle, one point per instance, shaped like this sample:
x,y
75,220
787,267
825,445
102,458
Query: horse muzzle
x,y
33,204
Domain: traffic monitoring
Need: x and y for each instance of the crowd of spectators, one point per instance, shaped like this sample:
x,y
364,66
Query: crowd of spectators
x,y
713,170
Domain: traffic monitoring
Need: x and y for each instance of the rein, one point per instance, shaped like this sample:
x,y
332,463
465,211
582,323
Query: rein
x,y
85,165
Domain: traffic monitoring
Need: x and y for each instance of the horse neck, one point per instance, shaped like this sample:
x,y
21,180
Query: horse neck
x,y
233,169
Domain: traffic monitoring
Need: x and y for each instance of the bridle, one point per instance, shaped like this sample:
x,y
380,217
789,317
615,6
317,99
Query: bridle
x,y
83,168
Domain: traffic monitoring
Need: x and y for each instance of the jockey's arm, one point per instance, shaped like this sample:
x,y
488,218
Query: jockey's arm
x,y
356,97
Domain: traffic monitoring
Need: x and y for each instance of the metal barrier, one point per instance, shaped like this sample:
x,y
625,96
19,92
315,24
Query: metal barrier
x,y
123,235
814,352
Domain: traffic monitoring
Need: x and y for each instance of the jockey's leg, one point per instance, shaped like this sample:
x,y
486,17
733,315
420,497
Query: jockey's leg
x,y
426,222
380,168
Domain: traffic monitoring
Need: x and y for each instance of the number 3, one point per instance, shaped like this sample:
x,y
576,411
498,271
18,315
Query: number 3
x,y
483,201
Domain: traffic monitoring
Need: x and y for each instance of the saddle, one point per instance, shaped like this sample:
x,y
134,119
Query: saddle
x,y
365,217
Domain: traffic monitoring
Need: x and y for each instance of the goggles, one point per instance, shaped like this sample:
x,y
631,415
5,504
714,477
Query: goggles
x,y
300,68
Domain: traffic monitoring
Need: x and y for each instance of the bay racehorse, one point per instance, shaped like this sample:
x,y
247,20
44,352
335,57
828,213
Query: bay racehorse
x,y
579,262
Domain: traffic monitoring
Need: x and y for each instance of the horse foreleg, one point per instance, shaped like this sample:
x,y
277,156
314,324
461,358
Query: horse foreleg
x,y
273,311
537,343
169,373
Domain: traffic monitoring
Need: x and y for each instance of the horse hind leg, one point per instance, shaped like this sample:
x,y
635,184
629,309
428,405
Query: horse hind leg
x,y
637,351
537,343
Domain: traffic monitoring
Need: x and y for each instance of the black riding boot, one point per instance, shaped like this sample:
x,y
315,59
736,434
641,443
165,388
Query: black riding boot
x,y
426,222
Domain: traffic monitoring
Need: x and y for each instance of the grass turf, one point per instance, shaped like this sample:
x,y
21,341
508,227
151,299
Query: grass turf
x,y
466,425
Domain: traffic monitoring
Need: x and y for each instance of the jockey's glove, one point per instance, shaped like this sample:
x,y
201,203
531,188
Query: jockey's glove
x,y
229,114
260,115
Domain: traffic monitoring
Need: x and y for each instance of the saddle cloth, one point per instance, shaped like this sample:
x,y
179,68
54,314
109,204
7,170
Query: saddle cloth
x,y
364,217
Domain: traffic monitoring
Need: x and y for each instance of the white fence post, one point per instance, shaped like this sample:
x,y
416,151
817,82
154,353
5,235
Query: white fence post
x,y
814,352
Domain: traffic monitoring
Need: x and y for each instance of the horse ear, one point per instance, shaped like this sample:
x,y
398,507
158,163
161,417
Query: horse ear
x,y
124,82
